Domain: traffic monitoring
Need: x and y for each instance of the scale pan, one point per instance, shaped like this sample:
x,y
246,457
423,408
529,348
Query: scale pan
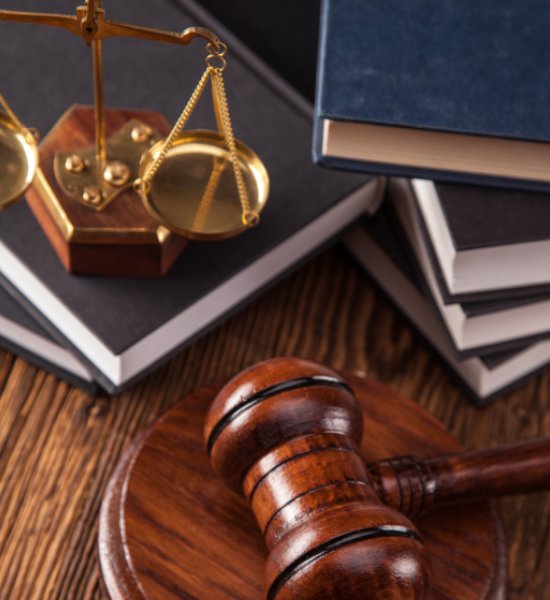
x,y
194,192
18,161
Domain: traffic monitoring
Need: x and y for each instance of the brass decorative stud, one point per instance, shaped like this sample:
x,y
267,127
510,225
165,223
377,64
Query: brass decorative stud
x,y
92,194
33,133
117,173
74,164
141,134
251,218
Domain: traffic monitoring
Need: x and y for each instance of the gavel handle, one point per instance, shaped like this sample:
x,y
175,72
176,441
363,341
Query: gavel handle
x,y
413,485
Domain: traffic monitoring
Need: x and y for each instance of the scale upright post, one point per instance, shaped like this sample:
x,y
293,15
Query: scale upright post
x,y
101,141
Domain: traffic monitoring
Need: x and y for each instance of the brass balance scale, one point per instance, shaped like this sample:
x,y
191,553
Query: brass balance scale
x,y
127,204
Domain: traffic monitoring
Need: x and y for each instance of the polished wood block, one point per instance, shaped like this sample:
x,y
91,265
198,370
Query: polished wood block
x,y
169,527
122,240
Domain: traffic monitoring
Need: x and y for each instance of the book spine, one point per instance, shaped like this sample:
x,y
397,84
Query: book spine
x,y
319,90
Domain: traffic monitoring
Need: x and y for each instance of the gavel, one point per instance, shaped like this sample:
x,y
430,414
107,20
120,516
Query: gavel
x,y
286,432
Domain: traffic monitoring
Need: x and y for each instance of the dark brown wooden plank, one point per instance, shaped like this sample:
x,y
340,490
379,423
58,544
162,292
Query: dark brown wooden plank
x,y
59,446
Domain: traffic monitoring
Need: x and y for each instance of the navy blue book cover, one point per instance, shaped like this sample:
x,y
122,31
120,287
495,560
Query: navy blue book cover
x,y
407,63
464,67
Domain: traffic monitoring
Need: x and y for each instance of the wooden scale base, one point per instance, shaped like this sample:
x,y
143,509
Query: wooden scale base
x,y
169,527
122,240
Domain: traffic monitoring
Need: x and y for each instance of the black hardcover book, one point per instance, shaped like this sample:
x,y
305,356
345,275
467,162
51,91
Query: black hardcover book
x,y
121,328
283,33
378,247
22,335
487,242
478,328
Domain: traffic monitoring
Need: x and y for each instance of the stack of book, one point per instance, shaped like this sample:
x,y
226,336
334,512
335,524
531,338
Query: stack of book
x,y
111,332
450,92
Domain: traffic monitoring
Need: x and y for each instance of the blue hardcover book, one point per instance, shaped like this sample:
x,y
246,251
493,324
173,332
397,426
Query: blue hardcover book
x,y
437,89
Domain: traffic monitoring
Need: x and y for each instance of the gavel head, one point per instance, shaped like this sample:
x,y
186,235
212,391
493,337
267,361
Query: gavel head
x,y
286,432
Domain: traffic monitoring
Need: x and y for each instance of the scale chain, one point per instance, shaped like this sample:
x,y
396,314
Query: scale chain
x,y
11,114
30,133
249,217
180,124
215,75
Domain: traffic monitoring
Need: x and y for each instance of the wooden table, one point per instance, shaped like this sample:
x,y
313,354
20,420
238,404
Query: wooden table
x,y
59,446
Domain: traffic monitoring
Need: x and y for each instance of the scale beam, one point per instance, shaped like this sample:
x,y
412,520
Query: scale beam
x,y
112,29
90,24
62,21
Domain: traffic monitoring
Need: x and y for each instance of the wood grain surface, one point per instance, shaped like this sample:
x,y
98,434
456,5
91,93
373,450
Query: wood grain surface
x,y
59,446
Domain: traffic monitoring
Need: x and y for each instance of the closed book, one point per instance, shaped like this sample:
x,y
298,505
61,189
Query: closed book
x,y
378,248
454,91
476,328
296,59
122,328
486,241
24,336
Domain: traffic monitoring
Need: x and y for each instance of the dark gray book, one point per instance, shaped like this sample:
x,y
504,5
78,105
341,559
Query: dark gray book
x,y
500,326
122,328
22,335
295,60
378,247
488,243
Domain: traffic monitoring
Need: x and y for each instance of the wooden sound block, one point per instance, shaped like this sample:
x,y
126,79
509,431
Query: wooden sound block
x,y
169,528
122,240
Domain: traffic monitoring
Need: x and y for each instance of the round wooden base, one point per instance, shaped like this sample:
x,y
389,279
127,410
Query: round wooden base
x,y
169,528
